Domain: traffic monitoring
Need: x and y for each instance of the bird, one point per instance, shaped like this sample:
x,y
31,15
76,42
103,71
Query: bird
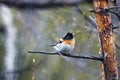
x,y
65,44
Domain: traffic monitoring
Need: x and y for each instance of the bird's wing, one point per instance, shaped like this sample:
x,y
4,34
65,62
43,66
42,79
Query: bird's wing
x,y
60,41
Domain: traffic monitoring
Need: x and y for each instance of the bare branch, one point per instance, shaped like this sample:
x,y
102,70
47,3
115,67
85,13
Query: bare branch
x,y
103,55
33,5
68,55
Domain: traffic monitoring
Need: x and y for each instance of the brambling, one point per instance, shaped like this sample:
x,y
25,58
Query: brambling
x,y
65,44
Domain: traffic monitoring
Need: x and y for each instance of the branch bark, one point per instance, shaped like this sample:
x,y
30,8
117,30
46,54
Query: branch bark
x,y
103,20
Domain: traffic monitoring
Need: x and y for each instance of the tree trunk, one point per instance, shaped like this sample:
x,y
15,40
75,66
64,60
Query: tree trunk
x,y
103,20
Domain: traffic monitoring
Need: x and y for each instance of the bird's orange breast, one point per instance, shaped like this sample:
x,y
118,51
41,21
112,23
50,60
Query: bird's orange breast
x,y
70,42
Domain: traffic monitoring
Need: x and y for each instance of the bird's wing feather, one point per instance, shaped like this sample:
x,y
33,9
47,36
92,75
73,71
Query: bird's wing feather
x,y
60,41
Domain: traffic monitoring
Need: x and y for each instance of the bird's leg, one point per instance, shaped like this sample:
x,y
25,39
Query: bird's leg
x,y
60,53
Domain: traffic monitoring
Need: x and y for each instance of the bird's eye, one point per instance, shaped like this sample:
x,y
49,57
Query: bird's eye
x,y
60,41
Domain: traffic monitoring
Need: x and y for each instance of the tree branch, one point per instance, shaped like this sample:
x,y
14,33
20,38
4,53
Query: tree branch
x,y
68,55
35,5
103,55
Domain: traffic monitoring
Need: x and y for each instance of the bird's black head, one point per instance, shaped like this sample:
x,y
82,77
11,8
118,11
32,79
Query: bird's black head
x,y
68,36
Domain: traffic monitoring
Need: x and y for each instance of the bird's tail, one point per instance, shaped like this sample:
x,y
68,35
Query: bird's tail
x,y
52,45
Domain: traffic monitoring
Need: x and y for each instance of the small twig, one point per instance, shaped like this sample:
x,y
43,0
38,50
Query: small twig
x,y
103,55
115,27
69,55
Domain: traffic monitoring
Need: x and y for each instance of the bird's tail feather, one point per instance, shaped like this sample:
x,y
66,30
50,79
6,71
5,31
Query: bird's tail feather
x,y
52,45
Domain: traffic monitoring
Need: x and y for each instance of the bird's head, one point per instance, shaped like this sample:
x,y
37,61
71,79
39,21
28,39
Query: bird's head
x,y
68,36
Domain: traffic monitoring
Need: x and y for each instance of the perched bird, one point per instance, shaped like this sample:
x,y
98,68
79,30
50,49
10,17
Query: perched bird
x,y
65,44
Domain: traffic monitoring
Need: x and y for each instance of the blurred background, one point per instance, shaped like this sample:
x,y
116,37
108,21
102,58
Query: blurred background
x,y
24,28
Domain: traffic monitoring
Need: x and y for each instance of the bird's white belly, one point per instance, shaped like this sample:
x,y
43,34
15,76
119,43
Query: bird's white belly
x,y
65,48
